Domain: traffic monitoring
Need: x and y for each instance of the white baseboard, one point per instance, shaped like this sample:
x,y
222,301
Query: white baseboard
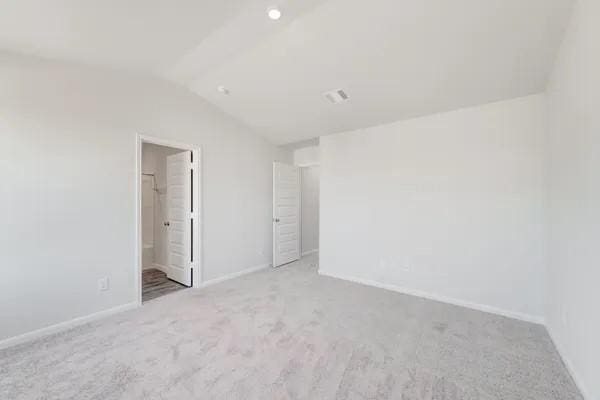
x,y
63,326
234,275
158,267
457,302
306,253
569,365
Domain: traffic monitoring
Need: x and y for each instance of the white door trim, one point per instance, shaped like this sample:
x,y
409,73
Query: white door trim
x,y
197,205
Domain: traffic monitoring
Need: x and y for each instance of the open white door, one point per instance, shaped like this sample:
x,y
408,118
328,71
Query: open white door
x,y
180,223
286,213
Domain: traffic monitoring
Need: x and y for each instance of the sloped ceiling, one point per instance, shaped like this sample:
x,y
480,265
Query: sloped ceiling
x,y
396,59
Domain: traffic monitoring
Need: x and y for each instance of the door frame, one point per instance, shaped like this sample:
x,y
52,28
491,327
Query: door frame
x,y
197,206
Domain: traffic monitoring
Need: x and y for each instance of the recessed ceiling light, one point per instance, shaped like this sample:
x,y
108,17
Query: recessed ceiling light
x,y
274,13
223,89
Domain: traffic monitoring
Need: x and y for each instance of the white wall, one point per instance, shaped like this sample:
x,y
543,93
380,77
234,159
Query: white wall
x,y
148,210
306,156
154,161
67,167
310,208
573,301
148,221
448,205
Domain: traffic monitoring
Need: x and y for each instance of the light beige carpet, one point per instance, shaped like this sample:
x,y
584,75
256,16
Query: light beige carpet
x,y
291,334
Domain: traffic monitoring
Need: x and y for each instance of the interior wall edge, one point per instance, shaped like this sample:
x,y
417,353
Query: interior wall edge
x,y
536,319
65,325
560,348
243,272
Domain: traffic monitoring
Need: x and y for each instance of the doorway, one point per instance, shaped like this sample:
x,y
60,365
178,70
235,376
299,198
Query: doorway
x,y
168,218
310,183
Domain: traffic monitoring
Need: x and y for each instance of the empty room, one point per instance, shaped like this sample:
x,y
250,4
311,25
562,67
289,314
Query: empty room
x,y
316,199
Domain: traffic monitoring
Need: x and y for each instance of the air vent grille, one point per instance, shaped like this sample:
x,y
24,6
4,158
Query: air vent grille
x,y
336,96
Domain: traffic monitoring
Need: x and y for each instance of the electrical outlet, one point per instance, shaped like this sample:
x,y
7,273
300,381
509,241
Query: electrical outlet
x,y
103,284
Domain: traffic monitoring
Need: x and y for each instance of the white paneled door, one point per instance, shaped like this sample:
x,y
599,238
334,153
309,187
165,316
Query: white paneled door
x,y
286,213
180,214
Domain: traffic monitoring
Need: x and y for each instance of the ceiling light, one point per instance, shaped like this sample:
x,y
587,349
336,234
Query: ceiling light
x,y
274,13
222,89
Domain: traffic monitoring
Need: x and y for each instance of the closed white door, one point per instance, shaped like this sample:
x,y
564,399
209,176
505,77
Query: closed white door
x,y
180,223
286,213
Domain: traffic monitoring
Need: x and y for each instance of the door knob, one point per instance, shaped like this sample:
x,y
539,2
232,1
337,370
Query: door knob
x,y
276,219
166,223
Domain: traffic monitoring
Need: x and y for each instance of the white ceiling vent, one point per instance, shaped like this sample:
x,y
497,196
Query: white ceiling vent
x,y
336,96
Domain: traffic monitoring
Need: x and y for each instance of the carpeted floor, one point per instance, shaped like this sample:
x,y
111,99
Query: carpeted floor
x,y
156,284
288,333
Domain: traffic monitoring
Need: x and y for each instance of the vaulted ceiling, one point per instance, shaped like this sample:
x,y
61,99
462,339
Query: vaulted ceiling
x,y
395,59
